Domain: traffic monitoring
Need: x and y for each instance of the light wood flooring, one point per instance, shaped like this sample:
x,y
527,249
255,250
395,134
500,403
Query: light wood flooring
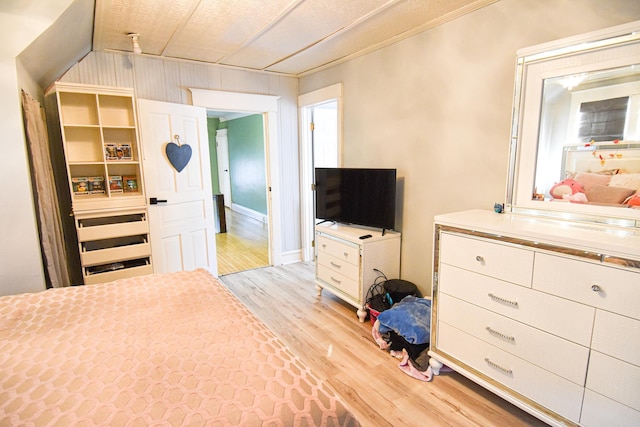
x,y
244,246
325,334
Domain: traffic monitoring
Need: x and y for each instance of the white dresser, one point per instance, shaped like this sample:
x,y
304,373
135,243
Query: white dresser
x,y
347,265
543,312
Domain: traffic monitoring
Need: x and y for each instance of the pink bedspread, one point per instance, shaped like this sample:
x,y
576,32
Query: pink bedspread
x,y
176,349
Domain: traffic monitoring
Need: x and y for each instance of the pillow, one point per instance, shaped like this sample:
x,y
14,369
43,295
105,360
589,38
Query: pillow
x,y
588,180
627,180
608,194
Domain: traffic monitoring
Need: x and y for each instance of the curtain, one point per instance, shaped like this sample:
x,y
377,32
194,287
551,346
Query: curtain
x,y
45,196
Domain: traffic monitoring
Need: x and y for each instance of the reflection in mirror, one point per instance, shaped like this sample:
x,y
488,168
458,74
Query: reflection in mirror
x,y
589,138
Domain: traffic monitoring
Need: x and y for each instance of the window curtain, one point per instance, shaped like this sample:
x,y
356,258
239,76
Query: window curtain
x,y
45,196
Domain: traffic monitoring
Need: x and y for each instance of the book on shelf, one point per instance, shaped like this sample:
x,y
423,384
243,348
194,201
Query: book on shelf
x,y
80,186
115,184
130,183
96,184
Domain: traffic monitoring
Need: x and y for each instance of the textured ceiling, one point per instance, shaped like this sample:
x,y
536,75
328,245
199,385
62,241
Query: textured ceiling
x,y
284,36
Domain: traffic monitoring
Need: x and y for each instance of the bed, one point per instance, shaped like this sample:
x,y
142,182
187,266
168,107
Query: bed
x,y
607,174
166,349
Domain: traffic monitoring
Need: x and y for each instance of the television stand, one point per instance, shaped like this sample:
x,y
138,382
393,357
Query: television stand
x,y
347,265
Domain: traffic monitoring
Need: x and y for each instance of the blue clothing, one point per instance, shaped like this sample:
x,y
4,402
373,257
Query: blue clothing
x,y
410,318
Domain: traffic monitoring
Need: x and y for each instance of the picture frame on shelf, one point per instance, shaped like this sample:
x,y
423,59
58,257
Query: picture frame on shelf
x,y
117,152
130,183
96,185
110,151
80,186
115,184
123,152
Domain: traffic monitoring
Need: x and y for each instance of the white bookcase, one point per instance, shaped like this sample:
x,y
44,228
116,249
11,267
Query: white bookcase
x,y
99,131
346,264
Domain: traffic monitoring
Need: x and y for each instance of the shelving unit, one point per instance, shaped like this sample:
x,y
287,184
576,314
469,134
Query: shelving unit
x,y
100,140
104,168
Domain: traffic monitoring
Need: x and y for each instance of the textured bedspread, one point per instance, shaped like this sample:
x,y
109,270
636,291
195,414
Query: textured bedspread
x,y
176,349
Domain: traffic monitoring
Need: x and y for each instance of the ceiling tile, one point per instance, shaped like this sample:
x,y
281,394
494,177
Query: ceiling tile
x,y
284,36
304,26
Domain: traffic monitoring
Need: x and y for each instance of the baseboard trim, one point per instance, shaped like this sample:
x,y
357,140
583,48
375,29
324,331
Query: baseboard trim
x,y
291,257
249,212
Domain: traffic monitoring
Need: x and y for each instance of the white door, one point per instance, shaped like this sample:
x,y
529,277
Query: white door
x,y
224,177
181,223
324,134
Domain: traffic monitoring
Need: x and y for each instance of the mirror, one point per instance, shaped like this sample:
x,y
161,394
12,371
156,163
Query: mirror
x,y
575,149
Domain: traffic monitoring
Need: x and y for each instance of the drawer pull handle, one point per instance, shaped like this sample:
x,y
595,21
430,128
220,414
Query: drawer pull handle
x,y
500,334
336,280
502,300
596,288
346,254
324,246
335,265
480,259
498,367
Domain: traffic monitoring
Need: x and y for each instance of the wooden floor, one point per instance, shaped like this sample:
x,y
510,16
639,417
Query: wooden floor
x,y
325,333
244,246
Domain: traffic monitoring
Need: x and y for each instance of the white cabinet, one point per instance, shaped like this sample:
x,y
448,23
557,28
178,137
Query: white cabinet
x,y
543,312
113,245
347,265
103,159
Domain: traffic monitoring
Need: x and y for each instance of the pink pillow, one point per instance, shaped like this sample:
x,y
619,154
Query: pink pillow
x,y
588,180
626,180
608,195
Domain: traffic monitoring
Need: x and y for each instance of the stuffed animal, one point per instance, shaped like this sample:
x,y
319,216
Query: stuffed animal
x,y
634,200
567,186
575,198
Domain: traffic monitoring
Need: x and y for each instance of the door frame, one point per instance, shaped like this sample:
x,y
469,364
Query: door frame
x,y
225,186
267,105
305,103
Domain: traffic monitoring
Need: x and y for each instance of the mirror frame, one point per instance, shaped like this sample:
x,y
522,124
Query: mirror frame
x,y
605,49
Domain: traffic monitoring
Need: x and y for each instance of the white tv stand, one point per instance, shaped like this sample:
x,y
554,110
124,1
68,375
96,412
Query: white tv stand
x,y
346,264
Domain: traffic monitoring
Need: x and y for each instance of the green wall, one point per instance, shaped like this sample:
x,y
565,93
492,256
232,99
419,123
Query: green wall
x,y
247,162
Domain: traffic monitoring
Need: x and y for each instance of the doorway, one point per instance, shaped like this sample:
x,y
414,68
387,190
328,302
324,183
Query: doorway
x,y
320,146
239,179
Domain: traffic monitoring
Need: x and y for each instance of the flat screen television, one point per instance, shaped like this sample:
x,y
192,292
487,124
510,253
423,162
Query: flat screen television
x,y
357,196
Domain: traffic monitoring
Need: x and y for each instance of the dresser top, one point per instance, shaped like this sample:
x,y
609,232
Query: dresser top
x,y
354,232
605,239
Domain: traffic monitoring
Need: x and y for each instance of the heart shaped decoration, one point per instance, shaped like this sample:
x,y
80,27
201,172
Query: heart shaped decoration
x,y
178,155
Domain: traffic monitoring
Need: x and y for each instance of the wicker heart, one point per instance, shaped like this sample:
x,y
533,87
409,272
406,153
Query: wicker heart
x,y
178,155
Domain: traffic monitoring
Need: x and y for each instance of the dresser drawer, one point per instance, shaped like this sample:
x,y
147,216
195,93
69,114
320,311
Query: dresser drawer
x,y
339,265
615,379
344,251
598,411
562,357
547,389
338,281
610,288
491,259
617,336
557,316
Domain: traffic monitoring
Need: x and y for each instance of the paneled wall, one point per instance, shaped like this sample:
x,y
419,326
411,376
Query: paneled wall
x,y
170,80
